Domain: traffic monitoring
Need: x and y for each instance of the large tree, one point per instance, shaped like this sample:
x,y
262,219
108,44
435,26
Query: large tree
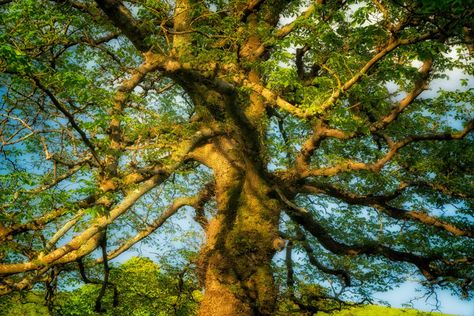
x,y
292,124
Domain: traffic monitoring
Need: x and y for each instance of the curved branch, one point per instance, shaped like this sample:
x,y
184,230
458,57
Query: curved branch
x,y
122,18
380,203
420,86
114,130
157,223
350,165
276,100
341,274
290,284
323,131
306,220
288,28
391,45
194,201
105,282
85,242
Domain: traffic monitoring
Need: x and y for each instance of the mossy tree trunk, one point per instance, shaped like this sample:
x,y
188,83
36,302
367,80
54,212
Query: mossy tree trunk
x,y
235,261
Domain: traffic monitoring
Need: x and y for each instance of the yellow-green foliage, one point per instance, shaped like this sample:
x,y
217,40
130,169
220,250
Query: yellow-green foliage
x,y
144,288
23,304
373,310
31,304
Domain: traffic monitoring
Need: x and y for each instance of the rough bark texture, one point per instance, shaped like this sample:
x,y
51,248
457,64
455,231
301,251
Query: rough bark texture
x,y
235,260
239,248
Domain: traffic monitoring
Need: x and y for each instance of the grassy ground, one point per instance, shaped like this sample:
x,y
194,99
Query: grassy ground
x,y
373,310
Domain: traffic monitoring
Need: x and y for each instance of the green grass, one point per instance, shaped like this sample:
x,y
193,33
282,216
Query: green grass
x,y
31,304
374,310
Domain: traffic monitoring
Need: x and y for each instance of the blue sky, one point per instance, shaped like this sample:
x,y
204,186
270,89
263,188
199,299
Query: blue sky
x,y
409,290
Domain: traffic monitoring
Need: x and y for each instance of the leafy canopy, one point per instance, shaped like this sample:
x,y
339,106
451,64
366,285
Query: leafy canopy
x,y
148,121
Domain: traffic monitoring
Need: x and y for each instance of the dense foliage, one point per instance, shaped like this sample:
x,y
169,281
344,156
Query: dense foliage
x,y
297,153
145,290
142,288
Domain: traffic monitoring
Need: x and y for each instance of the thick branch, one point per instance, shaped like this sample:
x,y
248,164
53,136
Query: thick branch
x,y
306,220
121,17
84,243
63,230
150,64
250,7
380,203
105,282
276,100
350,165
181,25
288,28
39,222
290,280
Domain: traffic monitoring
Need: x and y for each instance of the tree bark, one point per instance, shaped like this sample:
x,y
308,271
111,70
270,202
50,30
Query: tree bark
x,y
235,262
237,255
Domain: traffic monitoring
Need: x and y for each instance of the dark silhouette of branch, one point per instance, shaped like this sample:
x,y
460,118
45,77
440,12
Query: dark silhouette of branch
x,y
380,202
424,263
341,274
69,117
122,18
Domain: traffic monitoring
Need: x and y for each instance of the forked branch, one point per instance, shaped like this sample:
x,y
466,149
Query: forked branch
x,y
394,147
194,201
426,264
380,203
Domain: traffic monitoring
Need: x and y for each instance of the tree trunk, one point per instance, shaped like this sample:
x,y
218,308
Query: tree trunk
x,y
235,263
